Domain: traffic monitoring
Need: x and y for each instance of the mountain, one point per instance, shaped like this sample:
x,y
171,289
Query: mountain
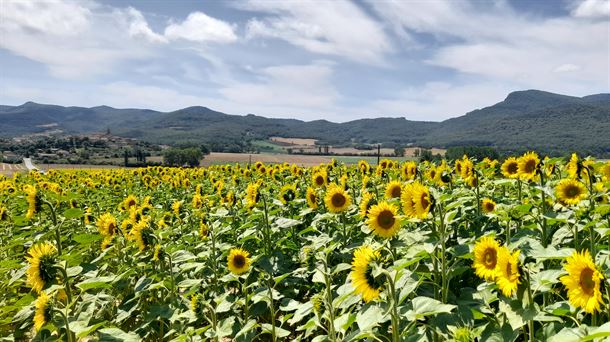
x,y
531,119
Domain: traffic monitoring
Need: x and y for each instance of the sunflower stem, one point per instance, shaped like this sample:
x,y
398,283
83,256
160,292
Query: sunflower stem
x,y
57,231
444,282
478,193
544,223
530,322
267,230
69,336
246,304
271,307
329,300
395,317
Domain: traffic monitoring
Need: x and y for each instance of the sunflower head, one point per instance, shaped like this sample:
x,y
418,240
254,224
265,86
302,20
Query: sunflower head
x,y
337,200
510,168
43,311
366,202
312,198
393,190
507,268
252,194
365,282
3,213
570,191
486,252
528,166
319,179
238,261
408,170
583,282
130,201
488,205
42,271
288,193
383,220
197,201
422,200
34,201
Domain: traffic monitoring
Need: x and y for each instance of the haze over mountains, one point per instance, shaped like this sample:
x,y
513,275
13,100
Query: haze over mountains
x,y
531,119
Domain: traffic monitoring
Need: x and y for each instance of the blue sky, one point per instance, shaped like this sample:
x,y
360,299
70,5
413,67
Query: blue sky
x,y
338,60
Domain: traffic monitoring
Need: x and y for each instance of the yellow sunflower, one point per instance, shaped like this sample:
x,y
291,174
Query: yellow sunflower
x,y
488,205
467,168
362,278
204,230
106,225
408,205
583,282
574,166
605,171
42,260
43,311
319,179
422,200
393,190
486,258
312,198
408,170
238,261
365,203
34,201
252,195
510,168
337,199
364,167
507,268
528,165
288,193
129,202
570,191
197,201
3,213
383,221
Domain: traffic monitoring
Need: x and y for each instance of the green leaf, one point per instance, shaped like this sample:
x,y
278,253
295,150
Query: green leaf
x,y
85,239
73,213
425,306
117,335
95,283
370,317
598,332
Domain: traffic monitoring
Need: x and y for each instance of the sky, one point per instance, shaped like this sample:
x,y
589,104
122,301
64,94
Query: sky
x,y
337,60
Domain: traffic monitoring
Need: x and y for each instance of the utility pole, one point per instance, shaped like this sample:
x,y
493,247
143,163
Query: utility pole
x,y
378,153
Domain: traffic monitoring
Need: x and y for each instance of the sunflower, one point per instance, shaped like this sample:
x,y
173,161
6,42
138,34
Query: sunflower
x,y
408,170
252,195
42,260
34,201
319,179
106,225
431,174
337,199
570,191
129,202
43,311
488,205
362,278
158,253
528,166
393,190
312,198
406,198
288,193
3,213
486,258
507,268
583,282
364,167
605,170
510,168
238,261
139,234
422,201
383,221
197,201
204,230
467,168
574,166
366,202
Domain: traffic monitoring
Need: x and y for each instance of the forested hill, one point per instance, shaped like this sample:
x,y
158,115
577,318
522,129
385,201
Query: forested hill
x,y
531,119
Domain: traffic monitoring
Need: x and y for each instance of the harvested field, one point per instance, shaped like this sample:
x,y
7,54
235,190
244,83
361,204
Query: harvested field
x,y
221,158
294,141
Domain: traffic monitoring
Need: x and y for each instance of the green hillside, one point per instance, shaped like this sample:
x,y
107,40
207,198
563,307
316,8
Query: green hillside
x,y
531,119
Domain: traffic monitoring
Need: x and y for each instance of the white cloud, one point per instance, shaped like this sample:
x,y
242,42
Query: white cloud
x,y
137,26
592,9
326,27
199,27
60,18
567,68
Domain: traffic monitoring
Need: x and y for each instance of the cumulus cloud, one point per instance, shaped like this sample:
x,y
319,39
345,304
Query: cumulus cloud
x,y
199,27
592,9
137,25
338,28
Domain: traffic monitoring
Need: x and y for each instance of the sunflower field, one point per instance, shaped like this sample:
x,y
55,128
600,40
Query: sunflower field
x,y
512,250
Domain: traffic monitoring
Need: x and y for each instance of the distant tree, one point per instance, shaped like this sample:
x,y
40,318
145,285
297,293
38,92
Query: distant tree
x,y
477,152
176,156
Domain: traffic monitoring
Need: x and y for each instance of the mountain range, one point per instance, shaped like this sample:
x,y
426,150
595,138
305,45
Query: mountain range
x,y
526,120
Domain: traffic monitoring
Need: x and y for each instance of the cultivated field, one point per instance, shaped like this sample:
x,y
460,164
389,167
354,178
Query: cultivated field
x,y
404,251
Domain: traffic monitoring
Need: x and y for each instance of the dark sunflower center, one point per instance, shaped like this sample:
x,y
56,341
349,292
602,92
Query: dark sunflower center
x,y
47,272
289,195
386,219
111,228
586,281
424,200
338,200
370,280
489,207
312,198
239,261
490,258
512,168
530,166
395,192
432,174
130,203
319,180
572,191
